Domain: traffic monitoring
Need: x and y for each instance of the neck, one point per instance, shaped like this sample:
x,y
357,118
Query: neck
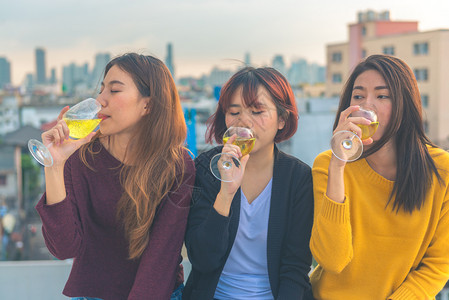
x,y
117,145
384,161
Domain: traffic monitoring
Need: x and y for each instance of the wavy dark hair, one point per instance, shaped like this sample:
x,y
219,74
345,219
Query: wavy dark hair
x,y
250,79
415,166
157,154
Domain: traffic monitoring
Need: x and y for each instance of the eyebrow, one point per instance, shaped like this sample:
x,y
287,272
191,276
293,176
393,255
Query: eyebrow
x,y
255,104
113,82
381,87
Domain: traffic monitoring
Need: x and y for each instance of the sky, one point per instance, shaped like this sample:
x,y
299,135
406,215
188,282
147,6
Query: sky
x,y
204,34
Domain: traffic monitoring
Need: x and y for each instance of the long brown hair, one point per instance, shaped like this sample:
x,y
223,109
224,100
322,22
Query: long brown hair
x,y
250,79
157,151
415,166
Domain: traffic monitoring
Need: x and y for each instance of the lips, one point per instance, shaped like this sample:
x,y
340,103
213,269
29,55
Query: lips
x,y
102,117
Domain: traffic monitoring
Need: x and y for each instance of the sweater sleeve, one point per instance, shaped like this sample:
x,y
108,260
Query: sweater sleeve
x,y
157,271
331,240
432,273
61,225
296,257
207,234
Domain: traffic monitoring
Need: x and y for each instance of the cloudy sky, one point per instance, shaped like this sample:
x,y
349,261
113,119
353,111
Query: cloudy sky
x,y
204,33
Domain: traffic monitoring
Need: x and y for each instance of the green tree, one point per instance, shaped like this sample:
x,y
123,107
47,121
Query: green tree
x,y
31,179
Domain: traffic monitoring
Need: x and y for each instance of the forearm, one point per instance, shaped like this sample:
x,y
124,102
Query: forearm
x,y
61,231
335,181
54,184
223,203
331,240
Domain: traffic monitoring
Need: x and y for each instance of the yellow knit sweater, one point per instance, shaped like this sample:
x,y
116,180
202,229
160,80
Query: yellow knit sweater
x,y
367,251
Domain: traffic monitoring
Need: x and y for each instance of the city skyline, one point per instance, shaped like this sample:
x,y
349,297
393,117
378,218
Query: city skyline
x,y
203,33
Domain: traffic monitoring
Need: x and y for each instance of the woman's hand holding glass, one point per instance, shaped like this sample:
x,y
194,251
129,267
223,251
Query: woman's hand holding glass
x,y
58,142
82,119
231,175
355,128
228,166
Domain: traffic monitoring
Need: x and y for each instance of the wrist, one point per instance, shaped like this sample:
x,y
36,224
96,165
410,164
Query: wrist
x,y
56,167
336,163
225,197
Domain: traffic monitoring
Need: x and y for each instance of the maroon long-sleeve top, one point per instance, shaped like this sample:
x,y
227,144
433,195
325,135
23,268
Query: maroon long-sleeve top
x,y
84,226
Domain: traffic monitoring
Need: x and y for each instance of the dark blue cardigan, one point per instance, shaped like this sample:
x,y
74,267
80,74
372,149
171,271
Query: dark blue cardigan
x,y
210,236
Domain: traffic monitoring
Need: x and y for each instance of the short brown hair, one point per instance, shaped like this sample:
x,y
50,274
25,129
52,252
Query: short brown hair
x,y
250,79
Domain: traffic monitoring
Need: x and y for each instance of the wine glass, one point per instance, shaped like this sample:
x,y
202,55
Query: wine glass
x,y
346,145
225,166
81,119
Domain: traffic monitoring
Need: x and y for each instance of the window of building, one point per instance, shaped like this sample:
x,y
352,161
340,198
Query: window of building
x,y
421,74
336,57
363,53
2,180
421,48
425,100
388,50
336,78
363,31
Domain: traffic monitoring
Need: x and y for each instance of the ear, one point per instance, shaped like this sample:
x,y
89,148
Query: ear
x,y
281,124
146,106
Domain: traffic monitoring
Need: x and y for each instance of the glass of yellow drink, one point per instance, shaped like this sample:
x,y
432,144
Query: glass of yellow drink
x,y
225,166
81,120
346,145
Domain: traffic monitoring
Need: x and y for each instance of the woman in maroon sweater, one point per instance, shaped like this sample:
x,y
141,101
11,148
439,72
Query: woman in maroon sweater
x,y
117,201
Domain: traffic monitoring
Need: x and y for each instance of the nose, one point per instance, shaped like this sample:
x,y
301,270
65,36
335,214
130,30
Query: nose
x,y
101,100
370,102
246,120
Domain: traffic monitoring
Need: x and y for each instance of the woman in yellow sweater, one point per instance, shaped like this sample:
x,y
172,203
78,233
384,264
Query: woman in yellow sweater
x,y
381,223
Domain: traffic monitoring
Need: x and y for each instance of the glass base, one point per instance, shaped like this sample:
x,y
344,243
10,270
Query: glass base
x,y
225,167
40,153
346,146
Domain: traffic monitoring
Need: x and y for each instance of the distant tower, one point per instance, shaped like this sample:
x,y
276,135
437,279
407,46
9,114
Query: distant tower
x,y
53,76
40,66
169,60
101,60
5,72
278,64
247,59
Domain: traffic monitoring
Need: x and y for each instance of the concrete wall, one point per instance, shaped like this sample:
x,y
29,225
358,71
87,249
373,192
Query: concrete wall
x,y
39,280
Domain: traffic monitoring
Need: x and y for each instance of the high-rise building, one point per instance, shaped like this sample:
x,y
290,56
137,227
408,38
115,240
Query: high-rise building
x,y
302,72
101,60
169,60
5,72
247,60
74,78
279,64
426,52
40,66
298,72
28,82
218,77
52,79
317,73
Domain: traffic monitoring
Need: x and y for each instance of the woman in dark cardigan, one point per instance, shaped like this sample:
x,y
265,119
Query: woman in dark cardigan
x,y
249,239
